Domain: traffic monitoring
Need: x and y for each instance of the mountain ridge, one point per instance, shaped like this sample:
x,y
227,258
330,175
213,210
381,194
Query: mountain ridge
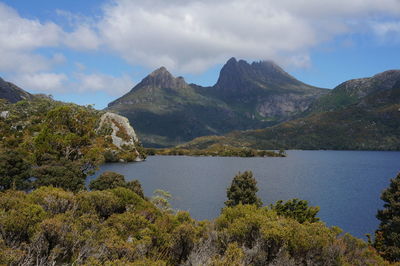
x,y
245,96
351,91
371,122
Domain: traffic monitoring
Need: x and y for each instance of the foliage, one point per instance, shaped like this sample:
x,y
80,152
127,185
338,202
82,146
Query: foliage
x,y
107,180
14,170
217,150
51,226
267,238
243,190
296,209
62,173
58,141
110,180
387,238
135,186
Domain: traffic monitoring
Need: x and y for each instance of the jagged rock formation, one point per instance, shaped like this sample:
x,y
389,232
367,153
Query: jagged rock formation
x,y
12,93
167,111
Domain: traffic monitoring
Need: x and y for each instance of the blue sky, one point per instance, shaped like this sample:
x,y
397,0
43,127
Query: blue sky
x,y
91,52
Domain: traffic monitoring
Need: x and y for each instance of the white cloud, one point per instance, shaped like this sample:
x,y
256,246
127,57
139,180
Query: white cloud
x,y
115,86
19,34
21,37
192,35
82,38
388,31
42,82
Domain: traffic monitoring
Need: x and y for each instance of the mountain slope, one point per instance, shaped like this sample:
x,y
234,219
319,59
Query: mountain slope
x,y
372,123
167,111
351,91
12,93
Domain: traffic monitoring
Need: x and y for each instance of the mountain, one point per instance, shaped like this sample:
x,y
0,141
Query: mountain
x,y
167,111
12,93
264,90
371,121
351,91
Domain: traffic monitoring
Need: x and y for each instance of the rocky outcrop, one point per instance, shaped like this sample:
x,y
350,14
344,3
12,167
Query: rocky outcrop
x,y
122,134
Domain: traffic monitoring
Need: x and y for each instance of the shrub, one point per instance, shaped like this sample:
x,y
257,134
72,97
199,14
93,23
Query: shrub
x,y
296,209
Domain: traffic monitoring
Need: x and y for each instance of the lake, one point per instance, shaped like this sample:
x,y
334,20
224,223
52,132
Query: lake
x,y
345,184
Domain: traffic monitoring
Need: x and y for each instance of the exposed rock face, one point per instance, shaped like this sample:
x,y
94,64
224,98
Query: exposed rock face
x,y
283,105
12,93
122,133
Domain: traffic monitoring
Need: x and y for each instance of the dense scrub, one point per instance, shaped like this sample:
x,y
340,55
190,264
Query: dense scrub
x,y
44,142
118,227
217,150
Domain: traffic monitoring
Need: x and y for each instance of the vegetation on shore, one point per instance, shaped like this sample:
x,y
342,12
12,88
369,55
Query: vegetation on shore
x,y
373,123
47,143
217,150
118,227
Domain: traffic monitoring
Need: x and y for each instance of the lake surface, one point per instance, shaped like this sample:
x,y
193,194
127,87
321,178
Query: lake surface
x,y
345,184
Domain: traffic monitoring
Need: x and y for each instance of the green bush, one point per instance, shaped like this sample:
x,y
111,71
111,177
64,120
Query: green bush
x,y
296,209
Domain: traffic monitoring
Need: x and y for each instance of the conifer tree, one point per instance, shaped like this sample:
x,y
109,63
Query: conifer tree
x,y
243,190
387,237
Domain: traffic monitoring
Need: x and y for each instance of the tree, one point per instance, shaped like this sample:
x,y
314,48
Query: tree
x,y
387,237
136,187
14,171
110,180
107,180
243,190
62,174
296,209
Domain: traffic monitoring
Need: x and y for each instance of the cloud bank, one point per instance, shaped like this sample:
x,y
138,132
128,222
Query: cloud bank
x,y
192,35
187,36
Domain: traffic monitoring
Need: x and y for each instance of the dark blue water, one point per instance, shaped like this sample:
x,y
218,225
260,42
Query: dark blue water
x,y
345,184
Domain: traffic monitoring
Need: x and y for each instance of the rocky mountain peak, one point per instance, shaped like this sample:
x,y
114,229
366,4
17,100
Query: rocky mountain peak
x,y
236,75
162,78
162,71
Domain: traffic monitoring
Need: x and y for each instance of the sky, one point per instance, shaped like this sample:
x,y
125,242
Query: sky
x,y
92,52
